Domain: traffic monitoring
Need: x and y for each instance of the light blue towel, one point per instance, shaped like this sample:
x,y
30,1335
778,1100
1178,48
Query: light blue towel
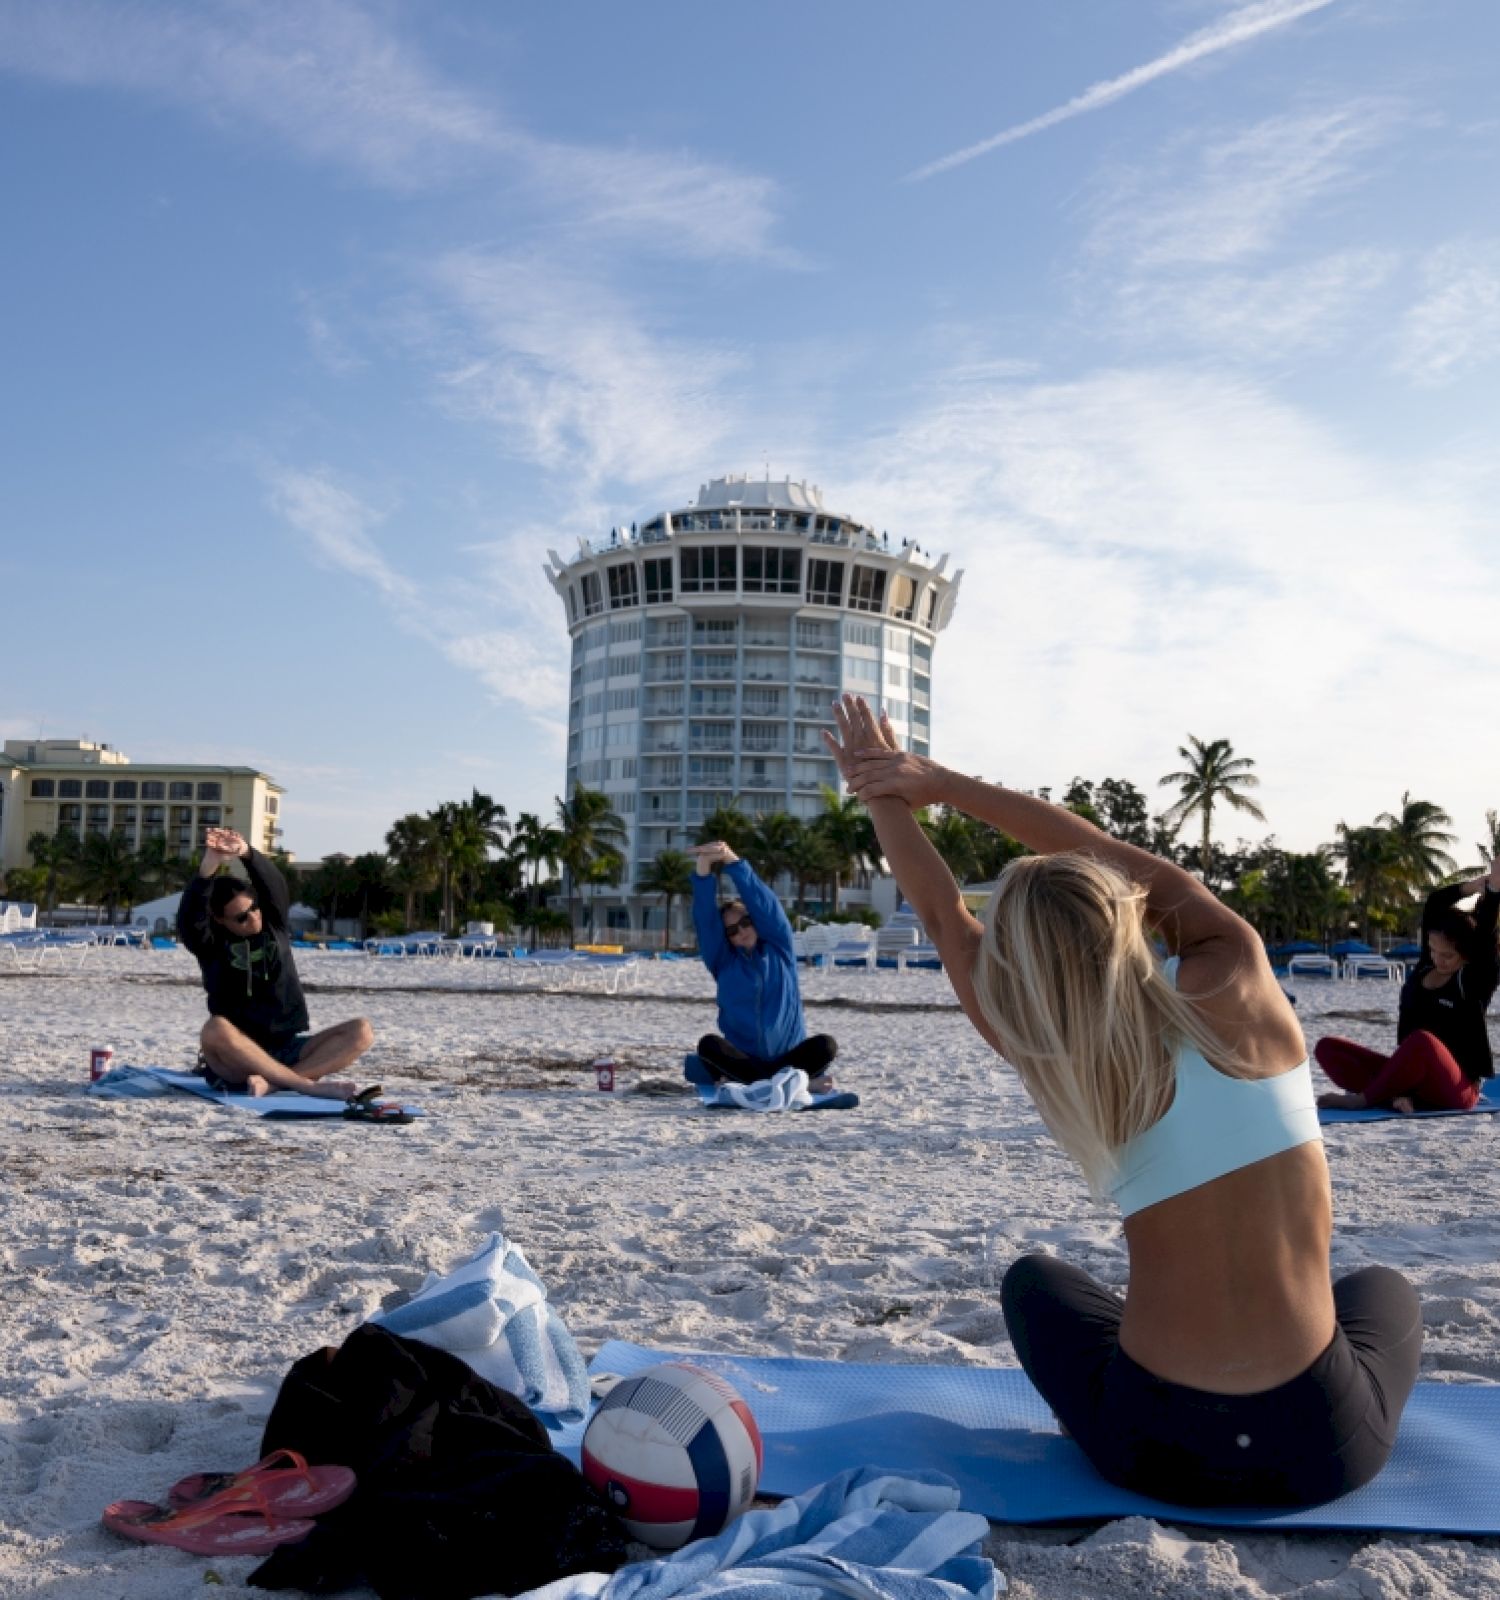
x,y
867,1534
491,1312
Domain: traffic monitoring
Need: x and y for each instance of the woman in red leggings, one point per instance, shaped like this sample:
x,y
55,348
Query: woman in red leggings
x,y
1443,1048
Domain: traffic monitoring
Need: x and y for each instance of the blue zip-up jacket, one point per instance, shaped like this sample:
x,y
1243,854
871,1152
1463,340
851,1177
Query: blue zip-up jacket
x,y
760,1005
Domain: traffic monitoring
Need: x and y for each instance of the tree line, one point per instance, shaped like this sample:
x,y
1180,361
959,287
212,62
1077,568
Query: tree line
x,y
468,860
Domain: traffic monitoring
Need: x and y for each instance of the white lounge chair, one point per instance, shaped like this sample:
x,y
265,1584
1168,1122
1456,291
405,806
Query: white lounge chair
x,y
1312,966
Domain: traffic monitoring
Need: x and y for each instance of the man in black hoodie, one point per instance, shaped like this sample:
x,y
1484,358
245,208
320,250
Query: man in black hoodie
x,y
256,1037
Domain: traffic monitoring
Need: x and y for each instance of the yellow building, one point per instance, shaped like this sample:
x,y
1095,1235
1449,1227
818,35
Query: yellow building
x,y
48,784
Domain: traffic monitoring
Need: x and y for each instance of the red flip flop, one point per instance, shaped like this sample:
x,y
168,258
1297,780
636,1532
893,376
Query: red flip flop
x,y
282,1485
200,1531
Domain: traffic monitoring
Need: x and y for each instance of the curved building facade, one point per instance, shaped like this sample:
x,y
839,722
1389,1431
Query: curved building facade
x,y
707,646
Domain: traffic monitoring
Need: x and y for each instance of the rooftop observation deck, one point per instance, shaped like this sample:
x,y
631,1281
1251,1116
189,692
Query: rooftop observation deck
x,y
736,506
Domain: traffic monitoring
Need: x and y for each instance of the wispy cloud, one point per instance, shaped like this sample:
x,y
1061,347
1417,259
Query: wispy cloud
x,y
1213,201
1268,316
1155,550
1455,327
573,378
339,525
1239,27
334,83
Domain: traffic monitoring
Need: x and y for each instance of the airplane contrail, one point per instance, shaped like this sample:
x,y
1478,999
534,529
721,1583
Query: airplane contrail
x,y
1246,23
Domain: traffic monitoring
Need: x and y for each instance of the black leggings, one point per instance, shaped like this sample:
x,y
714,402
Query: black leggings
x,y
724,1061
1312,1439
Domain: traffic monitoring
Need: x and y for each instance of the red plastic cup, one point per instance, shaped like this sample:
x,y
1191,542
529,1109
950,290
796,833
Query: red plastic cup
x,y
101,1057
604,1075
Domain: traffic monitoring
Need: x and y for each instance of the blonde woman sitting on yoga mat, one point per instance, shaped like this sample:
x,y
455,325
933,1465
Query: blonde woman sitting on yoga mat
x,y
1232,1372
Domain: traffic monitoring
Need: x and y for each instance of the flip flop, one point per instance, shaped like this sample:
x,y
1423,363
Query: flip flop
x,y
377,1111
282,1485
365,1096
200,1531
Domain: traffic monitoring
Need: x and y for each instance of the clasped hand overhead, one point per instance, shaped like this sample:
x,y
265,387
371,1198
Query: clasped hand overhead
x,y
872,762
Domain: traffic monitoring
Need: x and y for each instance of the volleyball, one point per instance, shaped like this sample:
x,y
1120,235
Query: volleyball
x,y
675,1451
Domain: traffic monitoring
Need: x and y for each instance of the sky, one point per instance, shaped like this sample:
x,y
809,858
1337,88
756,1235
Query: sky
x,y
1177,324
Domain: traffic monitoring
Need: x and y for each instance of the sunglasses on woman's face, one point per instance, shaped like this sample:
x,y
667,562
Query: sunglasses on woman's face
x,y
240,918
737,926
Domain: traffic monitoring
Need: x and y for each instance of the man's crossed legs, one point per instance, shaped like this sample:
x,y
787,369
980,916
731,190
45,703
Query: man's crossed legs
x,y
236,1058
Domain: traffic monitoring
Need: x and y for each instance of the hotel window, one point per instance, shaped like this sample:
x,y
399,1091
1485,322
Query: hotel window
x,y
572,602
125,821
866,633
771,570
867,591
210,791
593,601
895,676
42,788
622,632
153,820
903,597
153,791
125,789
857,670
69,817
96,789
709,569
825,583
623,699
180,791
930,607
624,587
273,805
70,788
658,581
98,821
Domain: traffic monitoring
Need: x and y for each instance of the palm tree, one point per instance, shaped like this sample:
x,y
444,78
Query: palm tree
x,y
411,842
731,825
461,848
841,825
956,840
1213,773
1372,870
491,819
161,868
670,875
588,828
1489,848
1418,840
108,872
774,843
537,846
56,854
810,860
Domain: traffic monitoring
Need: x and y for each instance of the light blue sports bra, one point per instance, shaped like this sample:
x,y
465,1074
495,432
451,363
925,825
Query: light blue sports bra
x,y
1215,1124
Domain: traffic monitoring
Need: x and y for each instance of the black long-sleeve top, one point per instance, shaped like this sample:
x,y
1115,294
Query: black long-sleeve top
x,y
1454,1012
250,982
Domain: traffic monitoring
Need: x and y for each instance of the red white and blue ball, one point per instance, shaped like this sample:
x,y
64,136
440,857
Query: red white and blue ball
x,y
675,1451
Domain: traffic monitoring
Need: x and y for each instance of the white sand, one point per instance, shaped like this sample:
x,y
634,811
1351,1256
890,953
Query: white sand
x,y
166,1262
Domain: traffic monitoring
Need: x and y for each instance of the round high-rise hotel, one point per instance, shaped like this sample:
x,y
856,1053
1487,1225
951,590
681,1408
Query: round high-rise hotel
x,y
708,645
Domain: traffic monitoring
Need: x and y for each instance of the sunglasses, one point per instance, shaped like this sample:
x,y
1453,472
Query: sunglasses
x,y
737,926
242,917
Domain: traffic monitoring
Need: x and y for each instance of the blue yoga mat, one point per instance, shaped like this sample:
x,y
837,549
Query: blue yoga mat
x,y
703,1080
990,1431
143,1083
1489,1100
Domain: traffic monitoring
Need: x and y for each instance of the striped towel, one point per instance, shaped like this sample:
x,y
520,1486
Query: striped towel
x,y
787,1091
867,1534
492,1313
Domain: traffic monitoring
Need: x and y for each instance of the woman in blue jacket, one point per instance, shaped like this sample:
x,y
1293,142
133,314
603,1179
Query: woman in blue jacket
x,y
746,943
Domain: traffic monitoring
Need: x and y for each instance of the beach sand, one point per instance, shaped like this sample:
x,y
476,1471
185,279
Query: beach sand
x,y
165,1262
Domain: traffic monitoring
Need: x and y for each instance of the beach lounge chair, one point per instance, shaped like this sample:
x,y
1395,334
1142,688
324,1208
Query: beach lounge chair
x,y
854,947
1373,966
893,940
1312,966
923,955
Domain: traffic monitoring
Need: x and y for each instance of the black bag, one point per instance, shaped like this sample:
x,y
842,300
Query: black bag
x,y
460,1491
